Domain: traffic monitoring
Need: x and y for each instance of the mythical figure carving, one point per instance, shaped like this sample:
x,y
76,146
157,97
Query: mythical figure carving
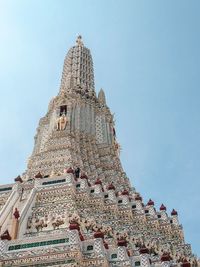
x,y
57,222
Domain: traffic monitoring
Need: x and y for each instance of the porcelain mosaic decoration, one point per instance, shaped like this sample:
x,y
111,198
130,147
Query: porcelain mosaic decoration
x,y
74,205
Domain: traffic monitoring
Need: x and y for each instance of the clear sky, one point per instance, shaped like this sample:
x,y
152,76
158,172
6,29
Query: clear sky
x,y
146,58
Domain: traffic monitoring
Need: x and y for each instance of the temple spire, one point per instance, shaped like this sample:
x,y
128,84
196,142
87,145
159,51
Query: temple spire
x,y
78,68
75,204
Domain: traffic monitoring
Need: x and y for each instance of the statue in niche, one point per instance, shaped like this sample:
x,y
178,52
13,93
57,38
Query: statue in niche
x,y
62,122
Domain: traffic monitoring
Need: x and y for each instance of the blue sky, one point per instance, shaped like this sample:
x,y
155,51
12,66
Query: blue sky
x,y
146,58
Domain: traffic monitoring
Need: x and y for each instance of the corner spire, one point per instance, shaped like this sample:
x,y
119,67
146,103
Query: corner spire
x,y
101,97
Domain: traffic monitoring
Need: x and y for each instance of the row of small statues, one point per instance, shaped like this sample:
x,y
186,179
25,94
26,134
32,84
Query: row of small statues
x,y
89,225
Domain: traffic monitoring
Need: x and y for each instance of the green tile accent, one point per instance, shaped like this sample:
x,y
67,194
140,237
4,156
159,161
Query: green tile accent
x,y
113,256
137,263
39,244
5,189
54,182
89,248
52,263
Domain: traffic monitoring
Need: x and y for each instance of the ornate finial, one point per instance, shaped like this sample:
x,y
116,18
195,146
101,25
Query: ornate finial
x,y
79,41
16,214
5,236
18,179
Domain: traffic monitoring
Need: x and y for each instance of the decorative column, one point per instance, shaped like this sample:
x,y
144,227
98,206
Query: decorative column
x,y
98,247
15,224
84,183
144,254
163,212
174,215
150,205
125,196
185,263
98,186
122,250
165,259
138,200
111,192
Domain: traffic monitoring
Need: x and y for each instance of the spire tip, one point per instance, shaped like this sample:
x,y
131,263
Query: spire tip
x,y
79,41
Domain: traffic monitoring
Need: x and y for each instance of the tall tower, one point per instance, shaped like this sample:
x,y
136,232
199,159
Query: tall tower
x,y
74,205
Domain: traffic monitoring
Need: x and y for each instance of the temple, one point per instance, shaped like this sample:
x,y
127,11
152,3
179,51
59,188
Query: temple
x,y
74,204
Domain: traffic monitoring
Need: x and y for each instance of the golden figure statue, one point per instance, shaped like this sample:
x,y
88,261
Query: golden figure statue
x,y
62,122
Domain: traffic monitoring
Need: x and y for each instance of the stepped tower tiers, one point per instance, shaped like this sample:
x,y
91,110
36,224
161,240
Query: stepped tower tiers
x,y
74,205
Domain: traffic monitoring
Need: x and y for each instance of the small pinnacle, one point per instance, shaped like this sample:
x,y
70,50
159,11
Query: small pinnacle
x,y
79,41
